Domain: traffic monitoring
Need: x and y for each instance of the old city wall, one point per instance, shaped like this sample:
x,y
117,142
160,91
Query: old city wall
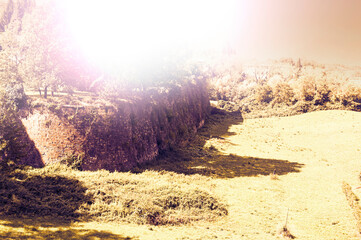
x,y
120,135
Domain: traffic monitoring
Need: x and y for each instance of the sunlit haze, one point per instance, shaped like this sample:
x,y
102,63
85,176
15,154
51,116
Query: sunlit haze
x,y
322,30
121,32
117,32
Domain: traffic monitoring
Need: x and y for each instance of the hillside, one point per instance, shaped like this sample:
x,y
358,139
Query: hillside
x,y
285,87
140,120
319,149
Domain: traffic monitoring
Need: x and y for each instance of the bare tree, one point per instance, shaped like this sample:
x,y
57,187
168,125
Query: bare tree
x,y
261,76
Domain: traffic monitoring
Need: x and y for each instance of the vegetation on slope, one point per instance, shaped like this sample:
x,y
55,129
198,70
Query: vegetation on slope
x,y
148,198
286,87
39,53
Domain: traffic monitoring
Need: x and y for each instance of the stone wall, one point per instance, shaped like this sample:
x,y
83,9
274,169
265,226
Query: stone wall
x,y
15,144
122,133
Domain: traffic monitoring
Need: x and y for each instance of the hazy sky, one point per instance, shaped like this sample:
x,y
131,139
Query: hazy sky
x,y
324,30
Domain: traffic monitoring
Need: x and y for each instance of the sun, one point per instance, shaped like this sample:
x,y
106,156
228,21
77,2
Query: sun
x,y
118,32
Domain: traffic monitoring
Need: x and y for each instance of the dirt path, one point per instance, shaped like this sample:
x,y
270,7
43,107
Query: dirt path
x,y
328,143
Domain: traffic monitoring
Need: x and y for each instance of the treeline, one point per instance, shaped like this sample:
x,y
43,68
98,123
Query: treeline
x,y
37,49
286,87
36,53
14,10
39,52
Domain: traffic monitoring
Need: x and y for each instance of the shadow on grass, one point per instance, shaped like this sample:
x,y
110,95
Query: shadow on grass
x,y
197,159
43,207
14,228
43,196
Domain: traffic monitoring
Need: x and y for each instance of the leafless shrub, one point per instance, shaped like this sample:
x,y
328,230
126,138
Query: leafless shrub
x,y
283,93
351,94
323,93
264,94
284,231
308,89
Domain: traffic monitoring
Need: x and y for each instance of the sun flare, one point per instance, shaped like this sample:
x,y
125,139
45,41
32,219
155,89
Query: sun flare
x,y
114,32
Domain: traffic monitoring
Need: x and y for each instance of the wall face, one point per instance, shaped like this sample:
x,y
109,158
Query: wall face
x,y
121,135
15,144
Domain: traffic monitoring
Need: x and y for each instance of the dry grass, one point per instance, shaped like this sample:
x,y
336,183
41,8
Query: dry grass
x,y
147,198
44,229
202,155
284,231
255,204
24,192
284,88
150,198
274,176
354,203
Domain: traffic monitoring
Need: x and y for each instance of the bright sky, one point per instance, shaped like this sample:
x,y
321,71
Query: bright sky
x,y
324,30
118,32
114,31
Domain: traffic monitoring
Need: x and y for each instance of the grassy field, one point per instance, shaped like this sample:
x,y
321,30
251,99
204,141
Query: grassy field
x,y
238,179
288,168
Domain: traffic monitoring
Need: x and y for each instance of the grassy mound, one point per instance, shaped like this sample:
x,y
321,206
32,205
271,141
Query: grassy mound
x,y
148,198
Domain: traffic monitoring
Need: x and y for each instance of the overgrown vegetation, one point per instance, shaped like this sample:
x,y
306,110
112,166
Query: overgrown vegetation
x,y
36,54
25,194
151,199
38,51
148,198
286,87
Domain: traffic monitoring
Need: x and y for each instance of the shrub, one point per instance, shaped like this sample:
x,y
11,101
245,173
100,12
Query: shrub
x,y
308,89
303,87
323,93
283,93
73,161
336,92
15,95
351,96
264,94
